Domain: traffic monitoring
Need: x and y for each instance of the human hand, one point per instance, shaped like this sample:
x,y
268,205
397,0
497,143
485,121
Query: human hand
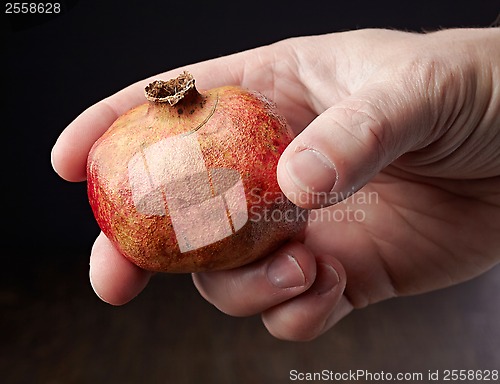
x,y
410,121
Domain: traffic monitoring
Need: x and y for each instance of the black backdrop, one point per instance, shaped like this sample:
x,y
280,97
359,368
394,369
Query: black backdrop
x,y
56,66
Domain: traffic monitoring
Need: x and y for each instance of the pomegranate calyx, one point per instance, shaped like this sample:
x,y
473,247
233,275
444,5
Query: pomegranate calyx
x,y
171,91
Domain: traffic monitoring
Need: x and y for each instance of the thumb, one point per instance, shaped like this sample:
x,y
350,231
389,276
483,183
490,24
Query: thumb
x,y
349,143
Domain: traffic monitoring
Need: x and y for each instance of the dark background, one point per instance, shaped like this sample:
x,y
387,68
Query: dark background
x,y
54,330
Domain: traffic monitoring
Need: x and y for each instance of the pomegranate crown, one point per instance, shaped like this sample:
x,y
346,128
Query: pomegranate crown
x,y
170,91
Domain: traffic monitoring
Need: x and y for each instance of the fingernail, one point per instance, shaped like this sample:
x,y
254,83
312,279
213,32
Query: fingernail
x,y
327,279
285,272
311,171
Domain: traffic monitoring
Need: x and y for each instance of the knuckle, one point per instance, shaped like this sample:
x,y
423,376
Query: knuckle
x,y
292,333
365,122
293,326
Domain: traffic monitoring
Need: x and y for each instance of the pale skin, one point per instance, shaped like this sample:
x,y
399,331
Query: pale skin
x,y
413,119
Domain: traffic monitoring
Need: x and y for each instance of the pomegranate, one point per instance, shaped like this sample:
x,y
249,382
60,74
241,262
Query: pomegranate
x,y
187,181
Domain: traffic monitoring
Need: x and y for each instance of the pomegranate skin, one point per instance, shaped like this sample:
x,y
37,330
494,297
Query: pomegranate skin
x,y
192,187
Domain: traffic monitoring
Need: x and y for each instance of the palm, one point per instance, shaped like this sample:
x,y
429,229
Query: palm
x,y
406,236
